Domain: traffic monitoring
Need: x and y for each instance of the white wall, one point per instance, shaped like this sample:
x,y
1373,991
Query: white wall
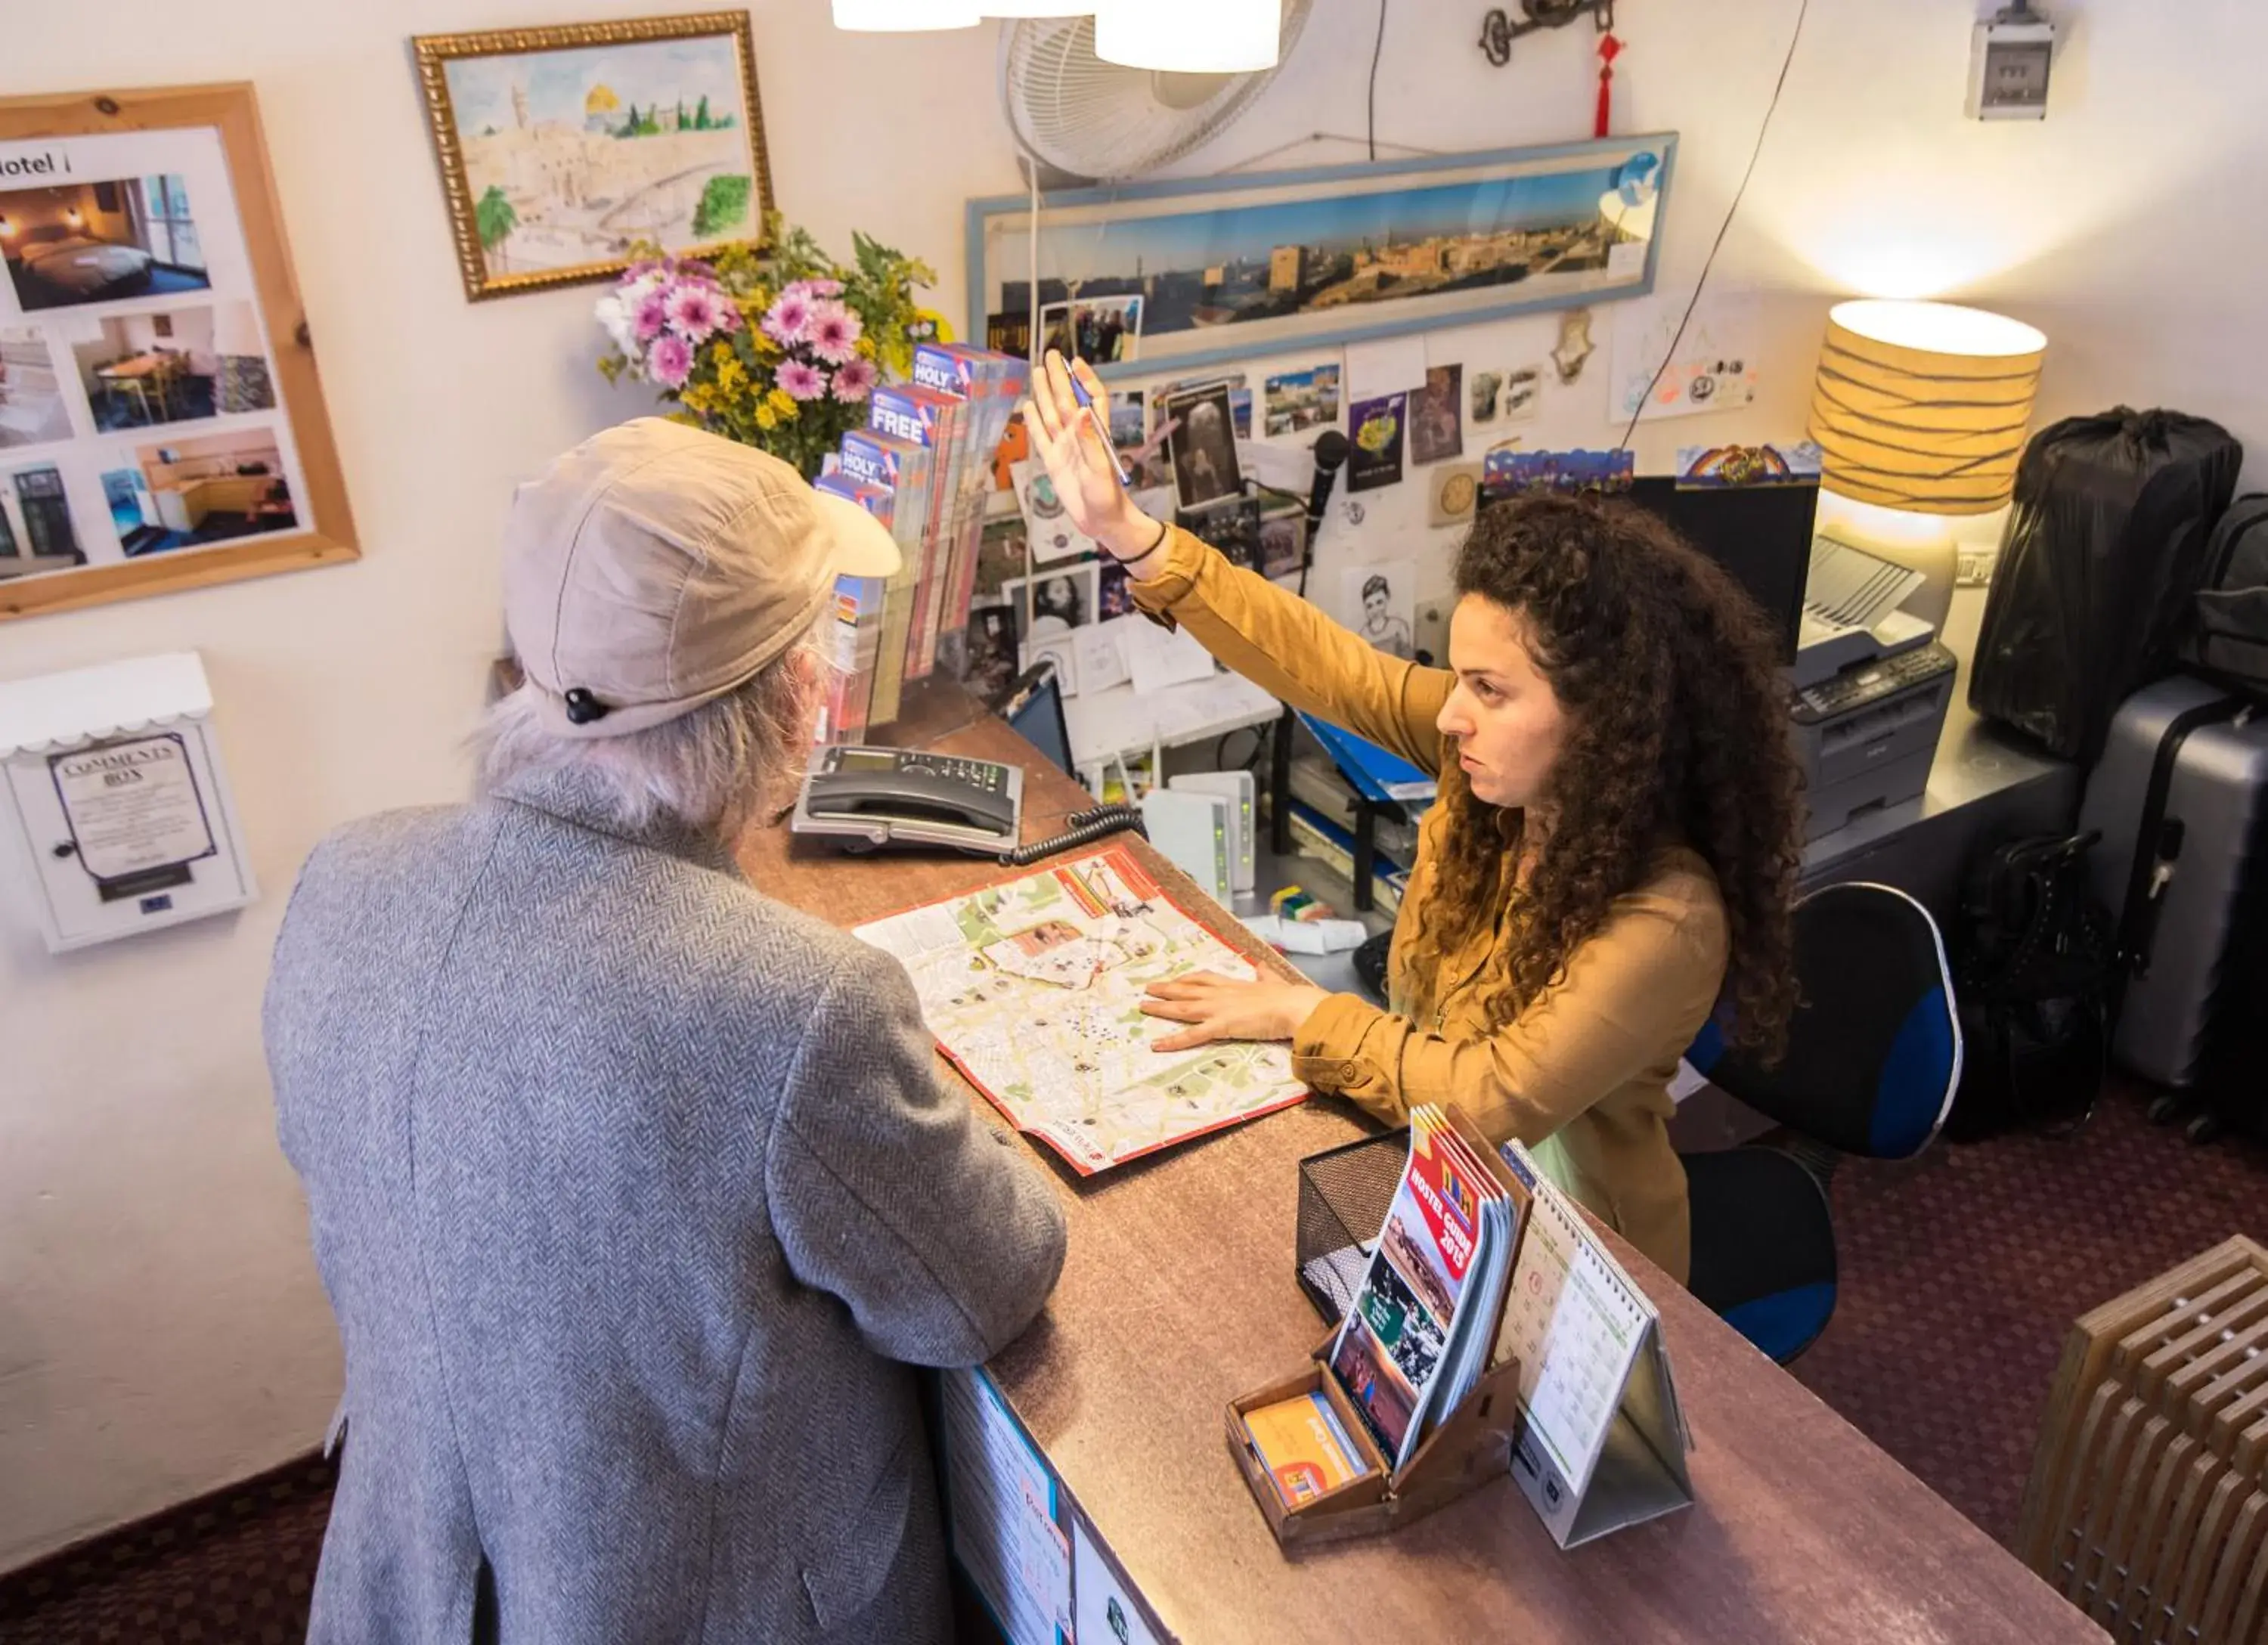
x,y
161,1327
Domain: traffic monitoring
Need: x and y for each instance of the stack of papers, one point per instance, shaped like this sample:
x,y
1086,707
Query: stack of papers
x,y
1423,1320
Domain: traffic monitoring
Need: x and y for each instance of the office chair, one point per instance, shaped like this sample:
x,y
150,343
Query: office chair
x,y
1873,1056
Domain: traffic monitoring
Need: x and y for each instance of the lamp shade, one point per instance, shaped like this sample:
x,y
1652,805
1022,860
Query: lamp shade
x,y
1189,36
1922,406
904,17
1036,8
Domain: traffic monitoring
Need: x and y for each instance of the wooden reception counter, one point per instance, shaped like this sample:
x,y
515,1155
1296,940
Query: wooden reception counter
x,y
1178,1295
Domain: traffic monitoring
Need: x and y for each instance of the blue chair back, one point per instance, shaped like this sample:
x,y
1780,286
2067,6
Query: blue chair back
x,y
1873,1051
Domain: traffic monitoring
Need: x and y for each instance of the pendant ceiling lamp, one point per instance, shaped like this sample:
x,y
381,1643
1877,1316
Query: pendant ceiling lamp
x,y
904,17
1189,36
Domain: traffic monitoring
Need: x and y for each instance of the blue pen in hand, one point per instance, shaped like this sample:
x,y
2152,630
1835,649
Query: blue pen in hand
x,y
1086,401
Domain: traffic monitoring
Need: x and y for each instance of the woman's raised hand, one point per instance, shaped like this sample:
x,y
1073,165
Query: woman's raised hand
x,y
1074,443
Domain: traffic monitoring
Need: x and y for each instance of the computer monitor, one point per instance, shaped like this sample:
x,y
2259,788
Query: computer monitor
x,y
1034,708
1760,533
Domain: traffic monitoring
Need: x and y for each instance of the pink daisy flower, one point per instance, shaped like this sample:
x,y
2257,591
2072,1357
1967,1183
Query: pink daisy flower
x,y
693,310
729,319
802,380
652,314
825,288
670,361
854,381
789,322
834,333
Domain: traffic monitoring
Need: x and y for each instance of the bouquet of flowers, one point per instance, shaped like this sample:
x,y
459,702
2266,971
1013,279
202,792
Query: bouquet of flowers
x,y
777,345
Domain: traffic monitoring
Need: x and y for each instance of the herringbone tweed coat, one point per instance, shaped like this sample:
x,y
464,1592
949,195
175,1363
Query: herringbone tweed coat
x,y
636,1194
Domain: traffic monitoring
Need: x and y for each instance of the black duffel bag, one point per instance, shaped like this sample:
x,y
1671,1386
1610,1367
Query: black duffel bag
x,y
2033,970
2227,640
2103,550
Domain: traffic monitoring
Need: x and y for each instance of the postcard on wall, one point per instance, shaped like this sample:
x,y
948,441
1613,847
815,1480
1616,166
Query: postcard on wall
x,y
1242,265
1375,458
561,148
1203,442
1714,367
1102,330
1515,394
1048,523
160,422
1300,401
1437,429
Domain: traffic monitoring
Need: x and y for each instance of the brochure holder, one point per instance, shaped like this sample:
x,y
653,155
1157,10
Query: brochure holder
x,y
1467,1451
1469,1448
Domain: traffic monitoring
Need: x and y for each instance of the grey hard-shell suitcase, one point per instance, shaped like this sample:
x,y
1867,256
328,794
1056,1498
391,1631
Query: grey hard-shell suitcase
x,y
2181,799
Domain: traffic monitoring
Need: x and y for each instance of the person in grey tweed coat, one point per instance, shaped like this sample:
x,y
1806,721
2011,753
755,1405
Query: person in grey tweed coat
x,y
636,1193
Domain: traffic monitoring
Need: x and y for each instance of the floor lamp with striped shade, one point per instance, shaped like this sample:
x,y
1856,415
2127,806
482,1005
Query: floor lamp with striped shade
x,y
1920,411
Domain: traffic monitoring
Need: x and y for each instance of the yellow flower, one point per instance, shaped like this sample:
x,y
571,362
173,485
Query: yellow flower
x,y
767,419
782,405
731,374
944,332
720,353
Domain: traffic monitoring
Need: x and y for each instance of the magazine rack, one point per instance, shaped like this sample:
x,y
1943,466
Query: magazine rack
x,y
1472,1448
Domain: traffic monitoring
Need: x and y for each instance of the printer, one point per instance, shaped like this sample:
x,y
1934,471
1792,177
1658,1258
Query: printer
x,y
1869,690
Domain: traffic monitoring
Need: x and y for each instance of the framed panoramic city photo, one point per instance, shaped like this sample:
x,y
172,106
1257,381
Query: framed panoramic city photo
x,y
161,421
561,148
1231,267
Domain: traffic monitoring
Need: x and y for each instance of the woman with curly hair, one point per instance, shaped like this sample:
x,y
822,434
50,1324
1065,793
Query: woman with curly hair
x,y
1613,854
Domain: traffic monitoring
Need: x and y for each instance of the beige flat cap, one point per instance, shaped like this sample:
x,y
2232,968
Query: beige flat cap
x,y
655,567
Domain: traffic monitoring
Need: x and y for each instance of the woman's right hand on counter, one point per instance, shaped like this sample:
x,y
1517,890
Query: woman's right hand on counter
x,y
1074,447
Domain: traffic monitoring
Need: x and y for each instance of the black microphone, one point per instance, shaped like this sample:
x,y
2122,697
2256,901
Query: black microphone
x,y
1330,455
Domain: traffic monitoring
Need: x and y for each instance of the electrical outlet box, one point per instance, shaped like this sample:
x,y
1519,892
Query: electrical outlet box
x,y
2008,63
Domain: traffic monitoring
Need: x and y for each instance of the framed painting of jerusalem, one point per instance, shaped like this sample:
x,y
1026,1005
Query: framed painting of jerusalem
x,y
562,148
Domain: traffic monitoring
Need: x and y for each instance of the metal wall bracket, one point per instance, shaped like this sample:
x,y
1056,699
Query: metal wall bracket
x,y
1499,29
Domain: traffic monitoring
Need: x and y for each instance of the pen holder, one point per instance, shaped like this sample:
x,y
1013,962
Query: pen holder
x,y
1471,1447
1344,1194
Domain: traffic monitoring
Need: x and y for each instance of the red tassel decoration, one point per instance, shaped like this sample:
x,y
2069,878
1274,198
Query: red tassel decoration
x,y
1609,49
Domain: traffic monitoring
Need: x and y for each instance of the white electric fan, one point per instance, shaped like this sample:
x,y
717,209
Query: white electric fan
x,y
1082,120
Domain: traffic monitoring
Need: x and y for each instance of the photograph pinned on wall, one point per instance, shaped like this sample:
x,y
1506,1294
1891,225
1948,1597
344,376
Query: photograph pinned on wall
x,y
98,242
1714,367
1052,603
1203,441
171,366
1000,557
1242,265
1114,590
1380,603
1283,540
991,652
1437,429
1455,494
32,407
1142,453
1047,522
1375,456
1100,330
1523,393
560,148
149,300
37,531
187,493
1296,401
1062,650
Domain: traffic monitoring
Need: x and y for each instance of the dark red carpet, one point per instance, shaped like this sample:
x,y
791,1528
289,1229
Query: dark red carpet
x,y
1962,1270
1961,1273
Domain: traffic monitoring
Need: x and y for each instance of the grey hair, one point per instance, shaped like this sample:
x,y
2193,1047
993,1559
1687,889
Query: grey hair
x,y
714,769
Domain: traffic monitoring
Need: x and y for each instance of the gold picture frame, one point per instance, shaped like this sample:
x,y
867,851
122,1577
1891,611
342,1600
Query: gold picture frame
x,y
551,178
162,425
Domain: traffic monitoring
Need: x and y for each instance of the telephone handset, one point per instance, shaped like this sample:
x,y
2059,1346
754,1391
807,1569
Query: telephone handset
x,y
872,797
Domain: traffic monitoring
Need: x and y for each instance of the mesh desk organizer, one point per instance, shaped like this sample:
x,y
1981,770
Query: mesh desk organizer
x,y
1344,1195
